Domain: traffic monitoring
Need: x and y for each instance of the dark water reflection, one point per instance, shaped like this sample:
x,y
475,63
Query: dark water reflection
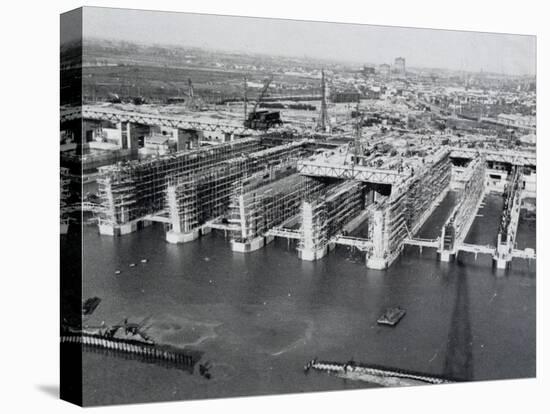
x,y
459,362
259,317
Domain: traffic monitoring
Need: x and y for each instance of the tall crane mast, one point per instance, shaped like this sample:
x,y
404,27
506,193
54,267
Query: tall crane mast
x,y
191,92
245,98
358,132
322,123
262,93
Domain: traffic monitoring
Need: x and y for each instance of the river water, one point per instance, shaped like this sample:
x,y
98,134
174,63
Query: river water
x,y
260,317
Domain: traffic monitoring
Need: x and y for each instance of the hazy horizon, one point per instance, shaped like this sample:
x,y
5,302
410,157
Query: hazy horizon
x,y
430,48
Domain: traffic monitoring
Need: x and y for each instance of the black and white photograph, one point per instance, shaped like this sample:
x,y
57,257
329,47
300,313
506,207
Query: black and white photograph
x,y
256,206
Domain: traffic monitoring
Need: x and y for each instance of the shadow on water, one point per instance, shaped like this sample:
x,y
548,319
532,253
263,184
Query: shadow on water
x,y
459,357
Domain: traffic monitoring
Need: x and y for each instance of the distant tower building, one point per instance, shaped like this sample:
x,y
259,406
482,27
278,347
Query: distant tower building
x,y
384,69
368,70
400,65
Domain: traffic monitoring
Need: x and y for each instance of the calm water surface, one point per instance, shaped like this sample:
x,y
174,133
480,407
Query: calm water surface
x,y
259,317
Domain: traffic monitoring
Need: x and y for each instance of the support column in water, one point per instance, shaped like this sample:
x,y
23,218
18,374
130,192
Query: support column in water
x,y
183,211
313,241
376,257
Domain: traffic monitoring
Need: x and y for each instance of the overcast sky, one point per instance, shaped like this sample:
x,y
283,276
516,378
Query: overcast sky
x,y
471,51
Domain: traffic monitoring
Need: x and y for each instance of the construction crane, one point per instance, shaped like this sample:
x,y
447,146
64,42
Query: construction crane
x,y
263,119
194,103
357,147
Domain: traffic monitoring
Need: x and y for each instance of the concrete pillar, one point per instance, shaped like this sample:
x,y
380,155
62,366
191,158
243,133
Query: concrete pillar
x,y
173,211
123,127
187,138
181,231
127,228
376,258
242,214
313,254
500,263
177,237
376,263
251,245
110,229
128,135
313,246
503,253
446,256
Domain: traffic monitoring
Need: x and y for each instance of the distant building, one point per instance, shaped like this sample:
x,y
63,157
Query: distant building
x,y
530,139
176,100
517,120
346,96
368,70
105,139
399,65
157,144
372,92
384,69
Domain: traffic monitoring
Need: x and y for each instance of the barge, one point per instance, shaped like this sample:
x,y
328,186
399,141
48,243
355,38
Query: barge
x,y
391,316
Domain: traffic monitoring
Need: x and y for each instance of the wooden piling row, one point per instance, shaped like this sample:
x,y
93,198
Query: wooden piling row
x,y
148,351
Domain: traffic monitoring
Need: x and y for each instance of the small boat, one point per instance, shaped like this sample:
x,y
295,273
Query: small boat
x,y
132,265
391,316
144,260
204,370
117,272
90,305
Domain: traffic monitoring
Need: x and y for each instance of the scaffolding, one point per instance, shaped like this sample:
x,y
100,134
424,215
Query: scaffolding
x,y
387,226
456,227
509,224
261,204
132,190
197,198
424,190
395,218
512,200
64,195
326,215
